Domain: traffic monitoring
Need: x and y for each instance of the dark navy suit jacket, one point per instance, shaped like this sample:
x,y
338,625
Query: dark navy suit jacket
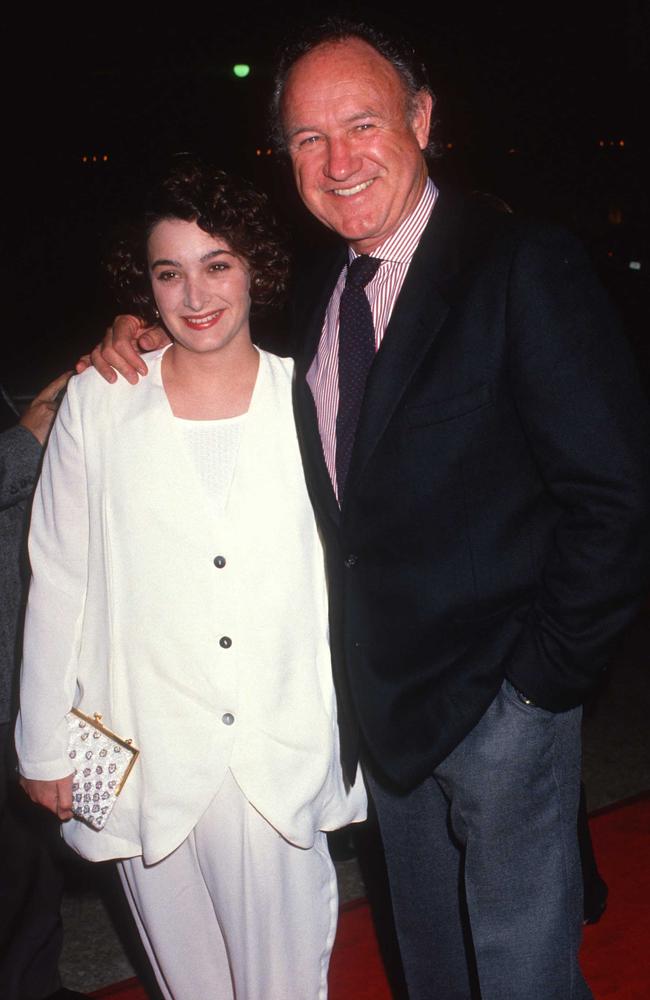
x,y
496,516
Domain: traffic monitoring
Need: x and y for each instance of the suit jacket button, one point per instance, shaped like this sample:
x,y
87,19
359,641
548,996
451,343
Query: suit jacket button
x,y
219,562
225,642
350,561
227,718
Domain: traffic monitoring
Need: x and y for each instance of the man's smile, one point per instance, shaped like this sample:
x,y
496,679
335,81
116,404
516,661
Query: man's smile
x,y
348,192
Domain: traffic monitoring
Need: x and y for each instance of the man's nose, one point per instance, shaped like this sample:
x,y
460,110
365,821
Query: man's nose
x,y
342,161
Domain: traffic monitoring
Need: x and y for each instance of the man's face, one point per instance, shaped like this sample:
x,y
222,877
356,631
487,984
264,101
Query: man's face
x,y
355,146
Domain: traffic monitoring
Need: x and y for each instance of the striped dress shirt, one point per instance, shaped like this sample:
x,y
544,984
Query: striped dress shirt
x,y
395,254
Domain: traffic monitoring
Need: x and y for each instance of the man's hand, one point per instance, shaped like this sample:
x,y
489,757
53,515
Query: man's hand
x,y
121,347
53,795
40,413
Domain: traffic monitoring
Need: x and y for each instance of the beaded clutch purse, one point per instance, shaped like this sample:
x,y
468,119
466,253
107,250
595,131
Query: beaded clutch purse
x,y
102,763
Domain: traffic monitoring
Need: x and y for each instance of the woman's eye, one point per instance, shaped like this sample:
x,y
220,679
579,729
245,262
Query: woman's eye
x,y
218,266
165,275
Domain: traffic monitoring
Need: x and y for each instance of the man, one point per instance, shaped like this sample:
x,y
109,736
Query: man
x,y
485,522
31,881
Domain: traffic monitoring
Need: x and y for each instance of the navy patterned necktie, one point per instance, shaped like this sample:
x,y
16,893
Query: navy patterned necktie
x,y
356,352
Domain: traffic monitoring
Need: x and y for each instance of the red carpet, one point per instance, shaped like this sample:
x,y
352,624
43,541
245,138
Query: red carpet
x,y
615,953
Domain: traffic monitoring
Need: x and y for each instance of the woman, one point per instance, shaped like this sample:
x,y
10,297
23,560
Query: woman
x,y
178,589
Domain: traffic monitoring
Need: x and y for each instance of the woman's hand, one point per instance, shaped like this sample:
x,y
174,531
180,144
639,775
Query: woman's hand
x,y
121,347
53,795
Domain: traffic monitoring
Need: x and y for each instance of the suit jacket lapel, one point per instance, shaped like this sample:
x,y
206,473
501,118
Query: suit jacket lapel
x,y
419,313
310,306
317,475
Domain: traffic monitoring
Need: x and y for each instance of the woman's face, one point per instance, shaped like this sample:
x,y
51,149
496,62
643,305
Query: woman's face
x,y
200,286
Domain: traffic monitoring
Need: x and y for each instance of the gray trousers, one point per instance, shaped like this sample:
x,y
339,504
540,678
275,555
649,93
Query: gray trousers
x,y
484,865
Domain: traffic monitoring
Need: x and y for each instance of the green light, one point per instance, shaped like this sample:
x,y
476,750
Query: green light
x,y
241,70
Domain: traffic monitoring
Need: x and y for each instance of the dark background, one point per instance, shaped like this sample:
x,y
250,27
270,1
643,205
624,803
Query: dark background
x,y
543,105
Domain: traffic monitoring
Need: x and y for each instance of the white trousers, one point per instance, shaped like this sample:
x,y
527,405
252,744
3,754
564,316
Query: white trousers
x,y
236,912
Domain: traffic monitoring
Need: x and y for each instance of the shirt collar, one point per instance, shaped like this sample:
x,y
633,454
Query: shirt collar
x,y
402,244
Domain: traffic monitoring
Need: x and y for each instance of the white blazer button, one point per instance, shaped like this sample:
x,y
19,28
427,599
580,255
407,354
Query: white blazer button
x,y
227,719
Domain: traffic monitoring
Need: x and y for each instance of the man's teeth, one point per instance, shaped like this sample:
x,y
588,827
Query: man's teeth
x,y
348,192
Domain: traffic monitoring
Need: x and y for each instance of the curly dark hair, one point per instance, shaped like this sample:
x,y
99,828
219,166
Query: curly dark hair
x,y
395,49
221,205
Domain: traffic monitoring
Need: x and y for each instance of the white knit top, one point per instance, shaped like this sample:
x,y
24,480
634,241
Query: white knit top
x,y
213,446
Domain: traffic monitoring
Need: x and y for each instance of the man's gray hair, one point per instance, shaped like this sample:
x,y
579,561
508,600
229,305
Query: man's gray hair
x,y
397,51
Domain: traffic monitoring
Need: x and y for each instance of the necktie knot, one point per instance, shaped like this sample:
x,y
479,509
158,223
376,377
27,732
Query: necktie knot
x,y
361,271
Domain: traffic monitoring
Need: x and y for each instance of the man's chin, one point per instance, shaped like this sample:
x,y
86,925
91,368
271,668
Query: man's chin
x,y
350,226
356,233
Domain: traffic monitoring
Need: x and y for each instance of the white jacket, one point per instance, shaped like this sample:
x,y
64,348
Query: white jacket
x,y
127,609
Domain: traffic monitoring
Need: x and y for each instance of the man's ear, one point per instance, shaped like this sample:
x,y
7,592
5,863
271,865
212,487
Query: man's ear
x,y
421,117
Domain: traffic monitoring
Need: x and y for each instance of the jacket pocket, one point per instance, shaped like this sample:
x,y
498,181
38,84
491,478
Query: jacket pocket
x,y
438,410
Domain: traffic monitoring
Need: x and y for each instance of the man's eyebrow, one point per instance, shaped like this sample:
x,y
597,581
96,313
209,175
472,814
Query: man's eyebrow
x,y
358,115
350,120
291,133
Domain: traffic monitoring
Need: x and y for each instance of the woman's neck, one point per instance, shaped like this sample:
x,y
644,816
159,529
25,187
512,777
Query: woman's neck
x,y
210,386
